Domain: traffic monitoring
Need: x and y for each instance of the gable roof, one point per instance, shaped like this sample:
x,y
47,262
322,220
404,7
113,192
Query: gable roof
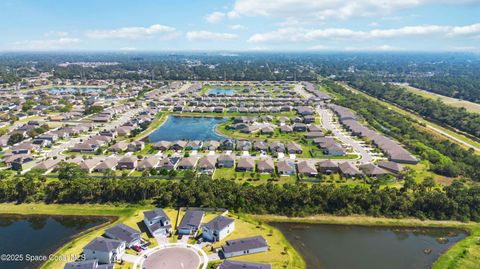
x,y
219,223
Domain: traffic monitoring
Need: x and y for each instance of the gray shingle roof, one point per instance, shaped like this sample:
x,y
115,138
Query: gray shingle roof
x,y
192,218
244,244
103,244
219,223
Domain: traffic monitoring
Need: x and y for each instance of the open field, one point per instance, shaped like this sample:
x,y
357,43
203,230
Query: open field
x,y
469,106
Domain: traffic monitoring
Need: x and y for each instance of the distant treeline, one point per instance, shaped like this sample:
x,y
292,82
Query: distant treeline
x,y
446,158
413,200
434,110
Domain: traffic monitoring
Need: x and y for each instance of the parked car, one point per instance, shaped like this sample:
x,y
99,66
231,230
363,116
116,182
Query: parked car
x,y
137,248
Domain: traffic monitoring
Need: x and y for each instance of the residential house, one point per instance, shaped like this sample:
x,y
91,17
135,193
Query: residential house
x,y
294,148
162,145
244,246
285,168
218,228
393,167
306,168
373,170
135,146
157,222
226,161
148,163
187,163
127,162
349,170
119,147
328,167
265,165
207,164
190,223
167,163
108,164
125,233
104,250
245,164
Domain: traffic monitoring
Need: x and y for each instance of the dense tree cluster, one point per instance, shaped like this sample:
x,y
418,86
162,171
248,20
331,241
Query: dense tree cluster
x,y
434,110
447,158
415,200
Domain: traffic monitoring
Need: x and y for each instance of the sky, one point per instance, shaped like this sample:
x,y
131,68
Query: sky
x,y
240,25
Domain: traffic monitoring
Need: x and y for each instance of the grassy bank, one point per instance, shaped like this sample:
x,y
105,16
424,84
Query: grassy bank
x,y
280,255
465,254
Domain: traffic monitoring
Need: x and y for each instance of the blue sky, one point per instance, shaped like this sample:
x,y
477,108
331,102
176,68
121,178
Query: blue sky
x,y
240,25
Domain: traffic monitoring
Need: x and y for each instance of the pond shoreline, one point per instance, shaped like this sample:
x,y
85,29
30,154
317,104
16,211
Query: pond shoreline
x,y
105,221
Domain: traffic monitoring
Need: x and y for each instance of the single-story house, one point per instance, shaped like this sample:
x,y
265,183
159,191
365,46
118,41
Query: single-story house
x,y
285,168
393,167
148,163
207,164
265,165
245,164
328,167
226,161
127,162
349,170
244,246
187,163
306,168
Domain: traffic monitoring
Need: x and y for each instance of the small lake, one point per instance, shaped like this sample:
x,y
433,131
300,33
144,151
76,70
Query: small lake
x,y
39,235
359,247
187,128
71,90
222,91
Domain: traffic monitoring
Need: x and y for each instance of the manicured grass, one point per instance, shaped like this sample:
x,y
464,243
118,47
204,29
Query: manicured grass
x,y
254,179
281,254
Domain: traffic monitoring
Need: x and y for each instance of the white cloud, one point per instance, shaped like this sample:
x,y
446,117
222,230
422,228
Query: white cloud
x,y
215,17
473,29
210,36
238,27
298,34
303,10
46,44
128,49
131,32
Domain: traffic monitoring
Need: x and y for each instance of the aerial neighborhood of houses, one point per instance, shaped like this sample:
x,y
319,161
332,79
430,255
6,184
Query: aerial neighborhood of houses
x,y
250,131
283,129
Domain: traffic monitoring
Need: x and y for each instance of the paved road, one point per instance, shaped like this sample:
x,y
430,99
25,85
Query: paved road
x,y
452,137
299,88
173,258
327,123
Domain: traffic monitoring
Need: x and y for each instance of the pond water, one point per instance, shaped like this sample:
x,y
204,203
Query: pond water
x,y
39,235
359,247
187,128
222,91
73,90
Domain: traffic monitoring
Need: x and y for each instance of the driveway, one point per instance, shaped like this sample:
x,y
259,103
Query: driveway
x,y
327,123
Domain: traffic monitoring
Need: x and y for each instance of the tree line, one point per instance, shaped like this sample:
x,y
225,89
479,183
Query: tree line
x,y
413,200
